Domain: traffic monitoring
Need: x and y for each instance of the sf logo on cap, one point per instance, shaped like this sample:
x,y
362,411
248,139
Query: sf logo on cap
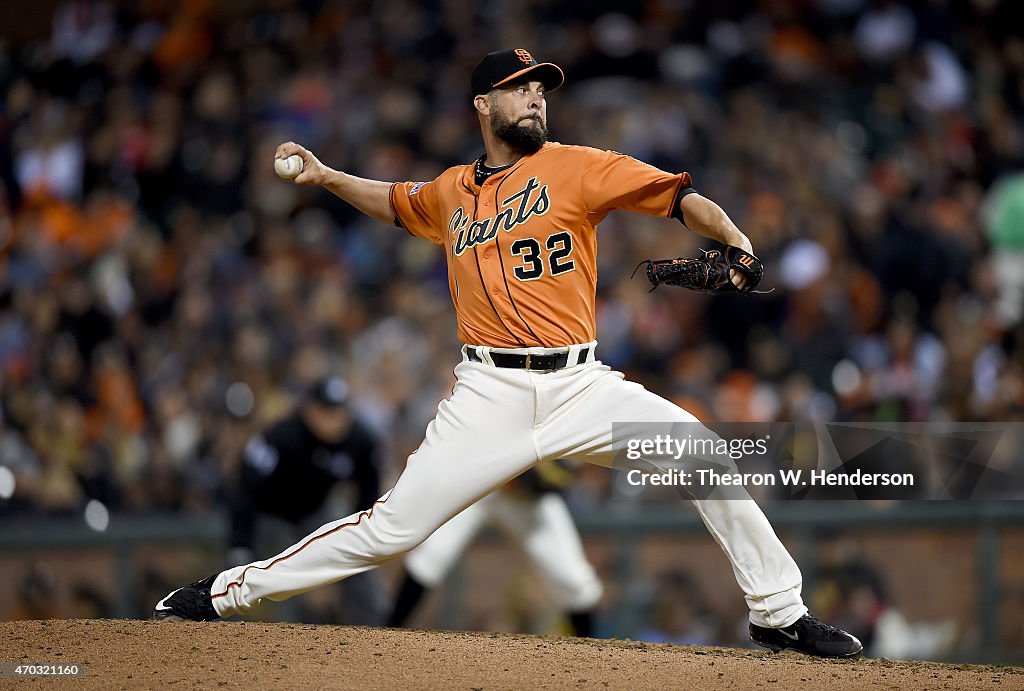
x,y
524,55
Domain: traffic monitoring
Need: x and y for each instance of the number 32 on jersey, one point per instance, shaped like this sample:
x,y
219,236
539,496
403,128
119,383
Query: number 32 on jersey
x,y
554,257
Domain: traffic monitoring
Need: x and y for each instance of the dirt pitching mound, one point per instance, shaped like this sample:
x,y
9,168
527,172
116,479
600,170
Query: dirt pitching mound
x,y
139,654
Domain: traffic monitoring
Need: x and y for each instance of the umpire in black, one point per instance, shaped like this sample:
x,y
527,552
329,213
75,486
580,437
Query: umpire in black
x,y
285,482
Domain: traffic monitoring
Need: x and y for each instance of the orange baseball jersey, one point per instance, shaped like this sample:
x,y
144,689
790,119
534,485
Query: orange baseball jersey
x,y
522,247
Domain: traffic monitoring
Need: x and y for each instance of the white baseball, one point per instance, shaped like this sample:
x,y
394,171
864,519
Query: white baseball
x,y
288,168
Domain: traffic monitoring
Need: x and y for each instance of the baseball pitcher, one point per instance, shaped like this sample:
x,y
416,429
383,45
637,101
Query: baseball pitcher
x,y
518,228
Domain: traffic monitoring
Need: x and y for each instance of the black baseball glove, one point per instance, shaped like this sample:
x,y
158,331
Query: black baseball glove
x,y
709,273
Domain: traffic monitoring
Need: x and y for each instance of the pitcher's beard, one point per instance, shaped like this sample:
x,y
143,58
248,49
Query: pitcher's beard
x,y
525,139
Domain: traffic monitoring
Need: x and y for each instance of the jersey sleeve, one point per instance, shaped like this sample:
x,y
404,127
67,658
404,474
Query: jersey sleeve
x,y
417,209
612,180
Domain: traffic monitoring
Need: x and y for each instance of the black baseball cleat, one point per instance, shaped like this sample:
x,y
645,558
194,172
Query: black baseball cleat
x,y
190,603
810,636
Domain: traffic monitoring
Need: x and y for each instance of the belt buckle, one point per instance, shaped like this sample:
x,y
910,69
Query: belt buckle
x,y
528,356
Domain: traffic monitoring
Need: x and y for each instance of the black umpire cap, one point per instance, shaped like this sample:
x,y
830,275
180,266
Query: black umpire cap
x,y
331,392
505,66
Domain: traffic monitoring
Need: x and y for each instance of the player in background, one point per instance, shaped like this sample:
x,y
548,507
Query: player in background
x,y
285,480
531,510
518,228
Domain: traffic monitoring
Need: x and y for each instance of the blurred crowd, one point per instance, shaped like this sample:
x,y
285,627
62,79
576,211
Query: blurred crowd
x,y
163,294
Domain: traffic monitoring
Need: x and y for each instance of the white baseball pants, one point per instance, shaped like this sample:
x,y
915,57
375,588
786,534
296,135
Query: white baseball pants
x,y
544,527
497,423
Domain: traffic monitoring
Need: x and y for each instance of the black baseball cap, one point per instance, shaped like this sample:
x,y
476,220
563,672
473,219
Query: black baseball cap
x,y
331,392
505,66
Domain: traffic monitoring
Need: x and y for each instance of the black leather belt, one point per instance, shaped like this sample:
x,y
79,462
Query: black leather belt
x,y
547,363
